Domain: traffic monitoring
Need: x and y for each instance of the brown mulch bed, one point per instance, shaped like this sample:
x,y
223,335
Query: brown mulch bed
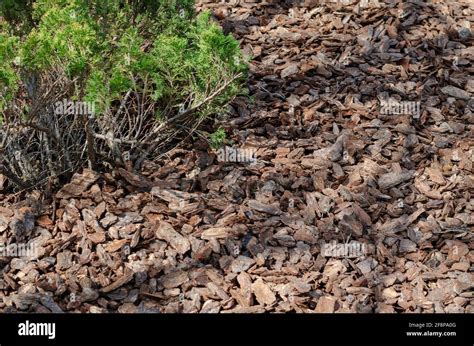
x,y
192,234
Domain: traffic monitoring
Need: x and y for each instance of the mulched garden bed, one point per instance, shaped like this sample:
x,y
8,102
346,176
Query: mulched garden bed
x,y
192,234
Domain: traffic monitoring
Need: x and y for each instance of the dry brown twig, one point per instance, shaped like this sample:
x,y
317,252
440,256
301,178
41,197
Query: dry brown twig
x,y
48,144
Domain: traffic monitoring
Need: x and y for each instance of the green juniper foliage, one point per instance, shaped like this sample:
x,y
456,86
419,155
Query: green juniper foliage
x,y
18,12
152,69
217,138
156,47
8,75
